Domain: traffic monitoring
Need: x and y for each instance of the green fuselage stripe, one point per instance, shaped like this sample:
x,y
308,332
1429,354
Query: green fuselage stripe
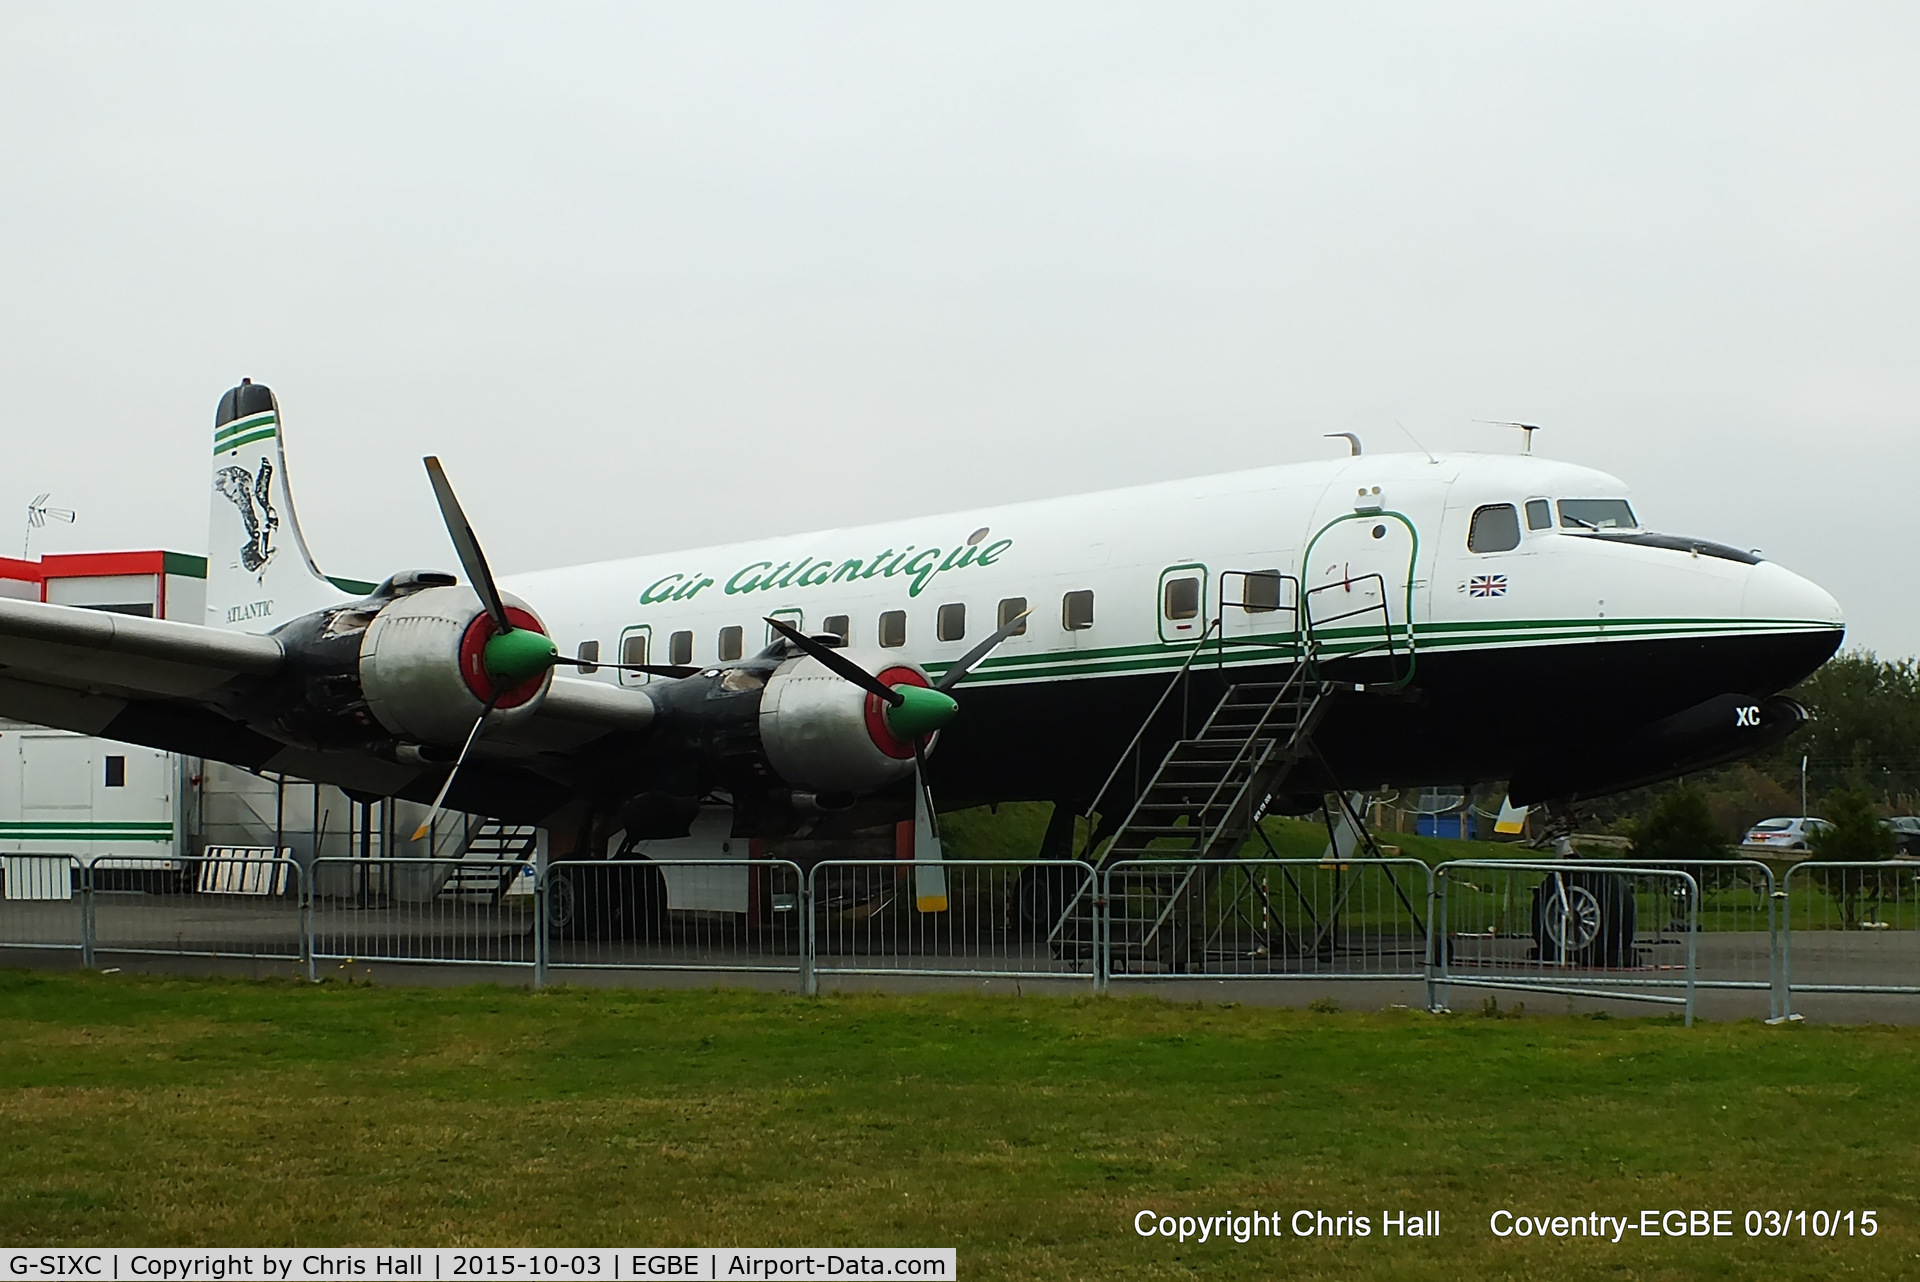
x,y
1285,648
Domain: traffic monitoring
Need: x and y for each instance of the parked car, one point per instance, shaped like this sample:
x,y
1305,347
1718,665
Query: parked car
x,y
1783,834
1906,834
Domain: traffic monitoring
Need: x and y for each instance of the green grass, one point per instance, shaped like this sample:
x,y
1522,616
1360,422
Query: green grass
x,y
1025,1132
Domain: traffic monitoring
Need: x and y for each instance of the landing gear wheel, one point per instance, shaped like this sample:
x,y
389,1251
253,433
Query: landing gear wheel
x,y
1041,894
566,904
607,901
640,890
1584,919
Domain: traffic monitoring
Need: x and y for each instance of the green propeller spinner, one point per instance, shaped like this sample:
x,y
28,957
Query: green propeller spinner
x,y
511,658
920,711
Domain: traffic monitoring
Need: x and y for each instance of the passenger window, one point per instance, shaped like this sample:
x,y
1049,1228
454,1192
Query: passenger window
x,y
589,653
680,649
840,626
1539,515
893,628
1495,528
951,623
732,641
1014,607
116,772
1261,592
1076,611
1182,598
633,648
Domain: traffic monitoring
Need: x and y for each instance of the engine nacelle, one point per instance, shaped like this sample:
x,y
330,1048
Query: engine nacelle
x,y
824,734
421,665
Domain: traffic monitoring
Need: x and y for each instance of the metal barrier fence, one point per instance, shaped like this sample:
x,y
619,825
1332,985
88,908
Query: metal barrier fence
x,y
866,919
1583,930
1852,928
1359,919
732,915
419,910
1739,942
237,903
1615,929
43,904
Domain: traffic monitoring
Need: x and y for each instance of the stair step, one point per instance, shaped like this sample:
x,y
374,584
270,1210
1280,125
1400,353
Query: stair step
x,y
1219,752
1258,705
1183,793
1196,767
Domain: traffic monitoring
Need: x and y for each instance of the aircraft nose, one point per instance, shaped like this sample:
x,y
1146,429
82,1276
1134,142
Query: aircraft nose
x,y
1778,595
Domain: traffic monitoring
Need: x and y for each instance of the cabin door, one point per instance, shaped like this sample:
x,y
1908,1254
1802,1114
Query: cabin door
x,y
1357,584
791,617
636,646
1184,613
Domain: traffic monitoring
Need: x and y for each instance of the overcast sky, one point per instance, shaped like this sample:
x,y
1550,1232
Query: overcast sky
x,y
654,276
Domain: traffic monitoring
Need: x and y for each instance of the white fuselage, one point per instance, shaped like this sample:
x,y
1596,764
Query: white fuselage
x,y
1328,526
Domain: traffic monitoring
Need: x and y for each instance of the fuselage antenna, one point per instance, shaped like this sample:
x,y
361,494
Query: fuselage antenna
x,y
1526,431
1353,442
1416,441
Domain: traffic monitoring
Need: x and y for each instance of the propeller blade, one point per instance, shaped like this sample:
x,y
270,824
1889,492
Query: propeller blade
x,y
958,672
473,737
467,545
841,666
929,866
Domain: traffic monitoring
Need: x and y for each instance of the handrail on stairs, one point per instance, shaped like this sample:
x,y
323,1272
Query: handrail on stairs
x,y
1387,636
1296,684
1133,746
1294,679
1274,600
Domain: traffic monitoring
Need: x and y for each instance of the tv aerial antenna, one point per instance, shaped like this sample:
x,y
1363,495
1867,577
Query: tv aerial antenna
x,y
1526,430
38,514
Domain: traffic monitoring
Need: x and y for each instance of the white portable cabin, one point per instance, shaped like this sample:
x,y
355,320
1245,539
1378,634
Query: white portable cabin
x,y
67,796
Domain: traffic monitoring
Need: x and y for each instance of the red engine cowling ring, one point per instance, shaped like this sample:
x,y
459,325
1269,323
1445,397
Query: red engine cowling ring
x,y
473,655
877,728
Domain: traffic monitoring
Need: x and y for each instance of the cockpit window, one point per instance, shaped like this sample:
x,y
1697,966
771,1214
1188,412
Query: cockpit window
x,y
1495,528
1596,514
1539,514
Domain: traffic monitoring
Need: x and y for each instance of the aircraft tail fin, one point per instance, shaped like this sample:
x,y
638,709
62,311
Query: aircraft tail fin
x,y
259,571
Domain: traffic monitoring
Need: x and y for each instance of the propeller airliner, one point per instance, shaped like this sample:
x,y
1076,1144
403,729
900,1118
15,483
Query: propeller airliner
x,y
1494,617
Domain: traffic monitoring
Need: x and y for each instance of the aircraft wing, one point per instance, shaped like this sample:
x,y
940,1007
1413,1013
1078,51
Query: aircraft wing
x,y
93,650
179,687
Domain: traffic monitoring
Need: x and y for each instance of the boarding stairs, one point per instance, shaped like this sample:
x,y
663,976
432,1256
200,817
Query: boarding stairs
x,y
488,862
1196,811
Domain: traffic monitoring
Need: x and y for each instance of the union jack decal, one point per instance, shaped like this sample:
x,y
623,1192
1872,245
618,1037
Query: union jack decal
x,y
1487,585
